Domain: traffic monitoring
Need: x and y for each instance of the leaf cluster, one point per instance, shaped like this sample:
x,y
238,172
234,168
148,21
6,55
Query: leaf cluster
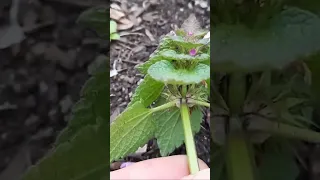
x,y
171,66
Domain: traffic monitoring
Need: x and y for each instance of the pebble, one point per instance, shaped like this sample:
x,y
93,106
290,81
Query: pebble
x,y
32,119
66,104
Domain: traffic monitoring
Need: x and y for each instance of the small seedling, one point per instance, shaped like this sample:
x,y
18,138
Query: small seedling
x,y
168,104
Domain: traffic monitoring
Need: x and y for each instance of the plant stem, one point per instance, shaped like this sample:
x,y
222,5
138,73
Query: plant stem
x,y
189,140
240,164
200,103
236,92
184,90
281,129
164,106
239,157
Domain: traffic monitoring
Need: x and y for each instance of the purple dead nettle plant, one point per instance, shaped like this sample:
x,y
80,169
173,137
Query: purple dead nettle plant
x,y
169,102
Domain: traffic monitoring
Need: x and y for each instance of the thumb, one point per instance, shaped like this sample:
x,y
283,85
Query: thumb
x,y
201,175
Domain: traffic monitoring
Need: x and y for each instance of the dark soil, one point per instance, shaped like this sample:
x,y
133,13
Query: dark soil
x,y
135,49
40,78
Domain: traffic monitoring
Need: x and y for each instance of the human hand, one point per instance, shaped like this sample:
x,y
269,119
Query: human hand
x,y
172,167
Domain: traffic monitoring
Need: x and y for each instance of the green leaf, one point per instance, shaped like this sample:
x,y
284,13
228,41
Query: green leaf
x,y
82,158
169,132
96,19
114,36
91,106
113,27
293,34
164,71
147,92
130,130
173,55
180,41
170,55
273,160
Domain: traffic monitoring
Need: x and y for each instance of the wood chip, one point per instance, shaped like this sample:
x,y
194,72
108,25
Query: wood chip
x,y
116,14
125,24
138,49
115,6
150,16
142,150
130,33
150,36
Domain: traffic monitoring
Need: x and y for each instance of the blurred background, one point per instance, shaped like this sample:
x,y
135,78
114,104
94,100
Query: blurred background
x,y
141,23
44,57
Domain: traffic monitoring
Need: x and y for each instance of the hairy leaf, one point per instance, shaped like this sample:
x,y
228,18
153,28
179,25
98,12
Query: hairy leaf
x,y
169,132
180,41
147,92
191,24
82,158
292,35
173,55
164,71
130,130
170,55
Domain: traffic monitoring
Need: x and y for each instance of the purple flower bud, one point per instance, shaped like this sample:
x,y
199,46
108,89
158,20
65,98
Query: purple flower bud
x,y
190,33
126,164
193,52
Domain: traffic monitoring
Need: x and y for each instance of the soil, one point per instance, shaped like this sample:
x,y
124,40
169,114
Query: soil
x,y
159,19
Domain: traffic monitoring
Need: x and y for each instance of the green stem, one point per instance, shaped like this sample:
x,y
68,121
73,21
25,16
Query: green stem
x,y
281,129
164,106
240,163
200,103
239,157
184,90
236,92
189,140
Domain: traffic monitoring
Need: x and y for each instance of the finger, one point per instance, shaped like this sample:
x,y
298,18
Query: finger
x,y
202,175
172,167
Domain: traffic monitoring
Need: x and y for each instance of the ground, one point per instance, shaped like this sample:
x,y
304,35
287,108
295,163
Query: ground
x,y
136,44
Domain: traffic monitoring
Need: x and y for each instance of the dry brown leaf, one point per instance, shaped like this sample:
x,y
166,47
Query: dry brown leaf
x,y
115,6
150,16
138,49
150,36
116,14
124,24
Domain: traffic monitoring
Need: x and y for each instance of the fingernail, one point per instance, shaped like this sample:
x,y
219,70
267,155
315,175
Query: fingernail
x,y
126,164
